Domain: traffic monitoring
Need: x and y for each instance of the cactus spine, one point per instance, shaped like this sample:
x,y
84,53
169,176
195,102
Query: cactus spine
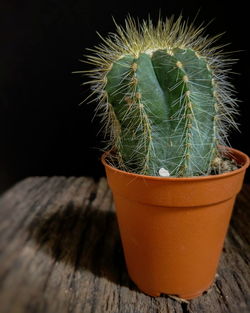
x,y
164,97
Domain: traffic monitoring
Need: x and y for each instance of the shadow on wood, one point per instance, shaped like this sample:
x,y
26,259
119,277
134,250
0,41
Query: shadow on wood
x,y
85,238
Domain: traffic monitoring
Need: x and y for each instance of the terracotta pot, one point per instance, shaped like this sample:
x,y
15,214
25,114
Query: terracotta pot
x,y
173,229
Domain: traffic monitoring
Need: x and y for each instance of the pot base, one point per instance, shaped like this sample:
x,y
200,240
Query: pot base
x,y
154,293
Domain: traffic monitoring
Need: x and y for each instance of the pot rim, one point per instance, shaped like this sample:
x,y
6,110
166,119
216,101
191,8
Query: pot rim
x,y
232,151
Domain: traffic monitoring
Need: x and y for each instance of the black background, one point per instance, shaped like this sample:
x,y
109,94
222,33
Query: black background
x,y
43,130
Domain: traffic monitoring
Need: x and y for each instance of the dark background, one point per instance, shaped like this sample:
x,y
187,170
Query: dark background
x,y
43,130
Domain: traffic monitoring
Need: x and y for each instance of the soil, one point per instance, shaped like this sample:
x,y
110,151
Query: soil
x,y
223,165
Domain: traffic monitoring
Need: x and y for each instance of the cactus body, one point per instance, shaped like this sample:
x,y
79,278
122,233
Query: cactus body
x,y
165,99
166,109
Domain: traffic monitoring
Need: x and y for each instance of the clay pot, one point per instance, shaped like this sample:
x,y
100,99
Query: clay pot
x,y
173,229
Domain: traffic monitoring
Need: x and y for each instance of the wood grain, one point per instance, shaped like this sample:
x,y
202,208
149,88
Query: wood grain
x,y
60,251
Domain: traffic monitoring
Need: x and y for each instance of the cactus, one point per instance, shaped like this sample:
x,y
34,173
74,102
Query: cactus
x,y
164,97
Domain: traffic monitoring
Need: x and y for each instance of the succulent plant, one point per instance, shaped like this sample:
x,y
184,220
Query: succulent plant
x,y
164,97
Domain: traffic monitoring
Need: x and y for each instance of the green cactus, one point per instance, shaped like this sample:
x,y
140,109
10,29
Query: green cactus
x,y
164,97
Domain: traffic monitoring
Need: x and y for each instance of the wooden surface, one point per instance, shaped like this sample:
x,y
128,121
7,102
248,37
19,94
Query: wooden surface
x,y
61,252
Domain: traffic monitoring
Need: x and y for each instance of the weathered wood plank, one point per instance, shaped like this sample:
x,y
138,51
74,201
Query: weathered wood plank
x,y
60,251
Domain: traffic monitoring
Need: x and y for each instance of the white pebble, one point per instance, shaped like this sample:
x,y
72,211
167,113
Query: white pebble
x,y
163,172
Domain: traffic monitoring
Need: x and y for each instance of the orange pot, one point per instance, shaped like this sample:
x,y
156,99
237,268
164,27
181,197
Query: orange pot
x,y
173,229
